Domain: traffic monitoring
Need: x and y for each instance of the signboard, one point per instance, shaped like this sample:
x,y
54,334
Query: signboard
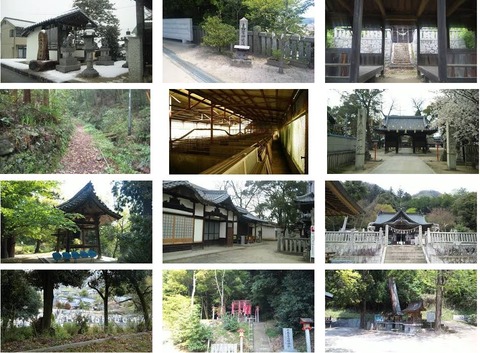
x,y
288,340
430,316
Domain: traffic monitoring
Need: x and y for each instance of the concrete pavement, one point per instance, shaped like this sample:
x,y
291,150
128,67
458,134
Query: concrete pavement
x,y
403,164
264,252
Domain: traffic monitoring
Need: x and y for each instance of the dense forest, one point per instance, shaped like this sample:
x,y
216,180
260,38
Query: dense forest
x,y
74,131
283,298
29,218
366,291
457,210
77,295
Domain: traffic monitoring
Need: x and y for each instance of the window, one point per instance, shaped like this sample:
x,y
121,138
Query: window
x,y
12,33
177,229
211,231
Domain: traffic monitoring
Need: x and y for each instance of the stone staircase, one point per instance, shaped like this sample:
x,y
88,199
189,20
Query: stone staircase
x,y
401,56
404,254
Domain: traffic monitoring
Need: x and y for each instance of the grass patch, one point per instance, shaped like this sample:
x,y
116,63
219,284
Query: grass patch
x,y
135,343
126,159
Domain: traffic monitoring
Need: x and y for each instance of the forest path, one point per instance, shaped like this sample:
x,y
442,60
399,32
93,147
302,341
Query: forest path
x,y
82,157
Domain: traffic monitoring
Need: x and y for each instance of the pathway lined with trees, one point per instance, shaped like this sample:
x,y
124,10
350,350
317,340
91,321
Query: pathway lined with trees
x,y
82,157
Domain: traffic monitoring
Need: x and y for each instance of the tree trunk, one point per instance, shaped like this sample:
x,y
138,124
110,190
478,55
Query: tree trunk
x,y
438,301
48,286
11,241
105,300
42,65
363,315
37,246
27,96
46,98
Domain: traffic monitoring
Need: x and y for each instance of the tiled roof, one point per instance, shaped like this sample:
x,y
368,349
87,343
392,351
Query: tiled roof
x,y
87,201
202,194
402,123
18,23
74,16
402,217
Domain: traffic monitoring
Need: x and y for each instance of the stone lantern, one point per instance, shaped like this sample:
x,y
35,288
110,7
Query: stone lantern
x,y
90,46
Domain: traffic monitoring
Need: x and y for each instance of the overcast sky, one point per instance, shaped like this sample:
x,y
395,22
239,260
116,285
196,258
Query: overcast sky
x,y
401,96
39,10
412,184
103,188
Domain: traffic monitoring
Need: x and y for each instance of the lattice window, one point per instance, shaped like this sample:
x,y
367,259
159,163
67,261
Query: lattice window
x,y
177,229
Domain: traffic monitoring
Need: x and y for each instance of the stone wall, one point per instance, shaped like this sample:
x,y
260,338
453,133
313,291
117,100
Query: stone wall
x,y
372,41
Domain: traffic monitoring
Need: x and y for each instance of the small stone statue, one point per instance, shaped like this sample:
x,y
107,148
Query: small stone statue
x,y
69,41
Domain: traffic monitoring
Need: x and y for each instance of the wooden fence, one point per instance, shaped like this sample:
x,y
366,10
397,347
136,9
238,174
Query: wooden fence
x,y
299,51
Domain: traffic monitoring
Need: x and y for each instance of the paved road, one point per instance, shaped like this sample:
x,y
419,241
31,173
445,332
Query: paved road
x,y
264,252
9,76
402,163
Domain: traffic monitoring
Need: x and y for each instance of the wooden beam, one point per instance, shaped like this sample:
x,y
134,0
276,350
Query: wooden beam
x,y
422,7
345,6
381,7
454,7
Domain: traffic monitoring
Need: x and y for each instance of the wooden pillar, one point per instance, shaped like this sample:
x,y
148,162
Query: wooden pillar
x,y
442,40
356,41
140,17
97,235
418,48
211,123
383,49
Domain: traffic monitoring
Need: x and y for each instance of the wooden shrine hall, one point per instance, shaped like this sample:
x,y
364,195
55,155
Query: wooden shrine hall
x,y
444,63
403,227
417,128
238,131
95,214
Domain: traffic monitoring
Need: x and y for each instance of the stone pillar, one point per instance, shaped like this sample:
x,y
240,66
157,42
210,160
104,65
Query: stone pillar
x,y
387,233
361,139
243,32
42,53
420,235
135,62
451,149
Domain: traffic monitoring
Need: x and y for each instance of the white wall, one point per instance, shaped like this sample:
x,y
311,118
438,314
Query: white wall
x,y
178,28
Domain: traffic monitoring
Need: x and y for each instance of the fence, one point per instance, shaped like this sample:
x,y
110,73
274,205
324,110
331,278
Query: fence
x,y
293,245
357,247
299,51
451,247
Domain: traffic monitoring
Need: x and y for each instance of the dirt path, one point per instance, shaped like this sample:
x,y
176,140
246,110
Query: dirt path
x,y
82,157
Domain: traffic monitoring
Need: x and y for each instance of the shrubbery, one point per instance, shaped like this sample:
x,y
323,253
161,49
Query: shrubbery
x,y
217,33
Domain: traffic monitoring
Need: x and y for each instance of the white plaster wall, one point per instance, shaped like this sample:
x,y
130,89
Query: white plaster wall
x,y
178,28
198,231
223,230
32,44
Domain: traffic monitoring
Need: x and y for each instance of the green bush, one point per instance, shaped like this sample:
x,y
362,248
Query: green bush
x,y
468,37
230,323
192,335
217,33
17,334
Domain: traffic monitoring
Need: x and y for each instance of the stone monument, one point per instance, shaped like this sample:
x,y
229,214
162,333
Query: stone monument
x,y
240,57
361,139
288,340
104,58
68,62
42,53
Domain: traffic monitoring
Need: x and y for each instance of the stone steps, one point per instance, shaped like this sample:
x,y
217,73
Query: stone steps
x,y
401,57
404,254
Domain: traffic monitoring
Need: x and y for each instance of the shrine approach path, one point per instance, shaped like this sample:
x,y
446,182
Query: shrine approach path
x,y
82,157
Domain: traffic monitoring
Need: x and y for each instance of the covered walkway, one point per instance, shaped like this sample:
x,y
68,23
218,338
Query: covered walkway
x,y
240,131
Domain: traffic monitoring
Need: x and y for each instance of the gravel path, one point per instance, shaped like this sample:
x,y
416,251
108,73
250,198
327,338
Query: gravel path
x,y
212,65
460,338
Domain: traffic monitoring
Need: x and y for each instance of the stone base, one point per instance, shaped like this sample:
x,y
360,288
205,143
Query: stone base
x,y
89,73
104,62
242,62
67,68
